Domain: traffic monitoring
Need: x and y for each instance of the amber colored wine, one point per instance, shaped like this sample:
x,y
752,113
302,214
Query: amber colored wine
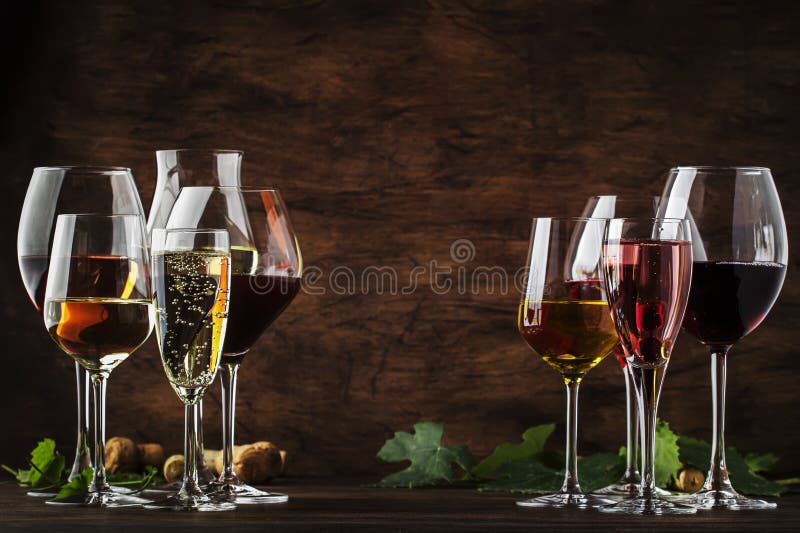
x,y
99,333
190,292
256,301
572,336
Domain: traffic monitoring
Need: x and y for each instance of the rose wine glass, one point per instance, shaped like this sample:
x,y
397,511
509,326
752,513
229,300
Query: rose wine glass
x,y
647,271
53,191
191,280
564,318
266,267
98,309
740,257
182,168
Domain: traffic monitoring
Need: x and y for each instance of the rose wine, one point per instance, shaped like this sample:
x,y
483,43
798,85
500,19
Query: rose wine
x,y
34,276
99,333
729,299
572,336
255,302
647,292
190,291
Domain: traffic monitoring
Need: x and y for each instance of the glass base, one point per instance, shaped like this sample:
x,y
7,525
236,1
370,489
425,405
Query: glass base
x,y
648,506
244,494
623,490
175,486
52,493
725,500
190,502
559,500
100,499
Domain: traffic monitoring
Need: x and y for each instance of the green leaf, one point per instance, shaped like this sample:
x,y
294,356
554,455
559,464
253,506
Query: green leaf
x,y
431,462
600,470
667,456
744,480
527,476
758,462
533,441
23,476
78,485
694,452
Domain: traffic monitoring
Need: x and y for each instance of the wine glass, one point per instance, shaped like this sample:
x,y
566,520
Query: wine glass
x,y
564,318
266,268
180,168
608,207
740,257
191,277
647,271
53,191
98,309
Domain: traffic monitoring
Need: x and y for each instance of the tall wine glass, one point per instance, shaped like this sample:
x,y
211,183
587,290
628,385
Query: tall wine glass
x,y
53,191
97,309
608,207
563,316
740,257
647,271
191,278
266,268
186,167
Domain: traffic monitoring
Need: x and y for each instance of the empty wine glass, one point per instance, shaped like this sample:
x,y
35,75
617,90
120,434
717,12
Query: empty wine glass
x,y
564,318
740,256
647,271
98,309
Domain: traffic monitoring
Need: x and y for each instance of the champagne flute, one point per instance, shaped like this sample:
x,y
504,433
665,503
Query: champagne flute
x,y
97,309
53,191
191,276
740,257
266,268
563,316
647,272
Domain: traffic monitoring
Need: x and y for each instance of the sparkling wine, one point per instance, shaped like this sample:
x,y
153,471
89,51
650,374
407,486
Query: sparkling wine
x,y
34,276
190,290
99,333
255,302
646,292
572,336
729,299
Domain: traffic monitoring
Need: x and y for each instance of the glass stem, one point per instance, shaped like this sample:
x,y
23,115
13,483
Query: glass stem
x,y
190,481
632,431
99,380
648,385
229,373
83,459
571,485
201,461
717,478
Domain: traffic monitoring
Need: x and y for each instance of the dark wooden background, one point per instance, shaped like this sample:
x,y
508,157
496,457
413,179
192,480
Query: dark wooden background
x,y
394,128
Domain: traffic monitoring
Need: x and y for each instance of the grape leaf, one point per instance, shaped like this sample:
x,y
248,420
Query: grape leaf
x,y
600,470
78,485
431,462
533,441
46,467
667,456
758,462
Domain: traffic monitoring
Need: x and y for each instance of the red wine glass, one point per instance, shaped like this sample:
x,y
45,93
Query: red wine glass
x,y
647,271
740,256
266,268
563,317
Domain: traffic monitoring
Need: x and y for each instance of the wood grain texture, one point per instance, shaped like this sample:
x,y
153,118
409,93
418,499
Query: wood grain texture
x,y
393,129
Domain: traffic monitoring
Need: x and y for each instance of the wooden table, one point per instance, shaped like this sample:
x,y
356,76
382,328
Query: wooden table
x,y
329,506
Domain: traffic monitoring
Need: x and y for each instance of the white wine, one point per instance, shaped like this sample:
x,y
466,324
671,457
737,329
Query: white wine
x,y
99,333
191,303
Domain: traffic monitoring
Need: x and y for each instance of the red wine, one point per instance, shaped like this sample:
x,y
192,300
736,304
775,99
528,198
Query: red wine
x,y
729,299
619,353
34,276
255,302
648,285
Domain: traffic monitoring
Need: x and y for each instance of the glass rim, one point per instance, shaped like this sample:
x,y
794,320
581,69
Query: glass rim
x,y
713,168
649,219
193,230
86,169
200,150
570,219
246,188
99,215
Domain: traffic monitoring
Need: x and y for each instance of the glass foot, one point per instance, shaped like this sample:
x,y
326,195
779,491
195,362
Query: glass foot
x,y
725,500
566,499
52,493
190,502
244,494
100,499
175,486
648,506
622,490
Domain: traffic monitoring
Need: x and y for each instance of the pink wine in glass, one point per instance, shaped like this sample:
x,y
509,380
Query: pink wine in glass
x,y
729,299
644,296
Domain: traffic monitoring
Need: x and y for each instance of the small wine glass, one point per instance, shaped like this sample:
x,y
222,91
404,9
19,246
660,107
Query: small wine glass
x,y
647,271
191,276
563,316
97,309
740,256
